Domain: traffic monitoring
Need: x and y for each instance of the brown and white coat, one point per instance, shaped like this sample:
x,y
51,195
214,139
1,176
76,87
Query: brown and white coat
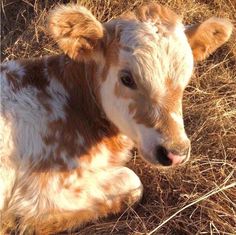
x,y
68,122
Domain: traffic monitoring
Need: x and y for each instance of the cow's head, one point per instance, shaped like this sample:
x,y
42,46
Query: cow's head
x,y
145,61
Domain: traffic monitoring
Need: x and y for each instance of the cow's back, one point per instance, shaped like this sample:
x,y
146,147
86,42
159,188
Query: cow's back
x,y
30,100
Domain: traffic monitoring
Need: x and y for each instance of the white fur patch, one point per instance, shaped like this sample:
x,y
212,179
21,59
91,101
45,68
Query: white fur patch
x,y
117,109
177,118
149,139
15,67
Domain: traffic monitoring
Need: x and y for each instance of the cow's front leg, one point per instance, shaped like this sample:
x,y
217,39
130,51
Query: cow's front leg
x,y
99,193
121,188
80,198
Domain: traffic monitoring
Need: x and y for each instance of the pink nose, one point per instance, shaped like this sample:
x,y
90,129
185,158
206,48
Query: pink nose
x,y
175,159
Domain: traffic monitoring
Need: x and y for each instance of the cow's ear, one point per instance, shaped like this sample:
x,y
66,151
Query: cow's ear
x,y
78,33
206,37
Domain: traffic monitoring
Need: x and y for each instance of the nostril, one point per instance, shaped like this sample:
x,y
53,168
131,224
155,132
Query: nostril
x,y
162,156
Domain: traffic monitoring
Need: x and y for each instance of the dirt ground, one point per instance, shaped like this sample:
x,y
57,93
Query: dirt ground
x,y
199,197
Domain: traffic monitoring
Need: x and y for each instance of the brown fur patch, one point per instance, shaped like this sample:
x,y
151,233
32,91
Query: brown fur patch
x,y
124,93
34,73
111,55
43,98
54,221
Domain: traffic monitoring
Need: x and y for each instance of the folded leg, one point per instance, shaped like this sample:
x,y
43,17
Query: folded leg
x,y
75,199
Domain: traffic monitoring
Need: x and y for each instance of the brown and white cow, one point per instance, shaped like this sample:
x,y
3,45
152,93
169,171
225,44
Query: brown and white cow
x,y
69,121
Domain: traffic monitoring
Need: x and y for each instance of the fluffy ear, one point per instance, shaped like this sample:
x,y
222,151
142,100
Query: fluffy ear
x,y
78,33
206,37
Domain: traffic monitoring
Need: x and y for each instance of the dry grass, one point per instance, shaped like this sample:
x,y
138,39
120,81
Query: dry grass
x,y
200,197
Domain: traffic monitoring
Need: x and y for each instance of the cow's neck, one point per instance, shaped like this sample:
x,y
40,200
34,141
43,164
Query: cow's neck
x,y
84,113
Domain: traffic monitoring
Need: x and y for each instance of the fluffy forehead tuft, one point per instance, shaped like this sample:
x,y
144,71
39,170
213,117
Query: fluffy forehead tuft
x,y
153,56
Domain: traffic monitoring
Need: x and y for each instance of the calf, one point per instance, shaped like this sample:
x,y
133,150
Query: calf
x,y
69,121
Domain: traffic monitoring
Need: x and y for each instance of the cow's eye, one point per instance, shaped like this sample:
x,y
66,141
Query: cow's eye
x,y
127,79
